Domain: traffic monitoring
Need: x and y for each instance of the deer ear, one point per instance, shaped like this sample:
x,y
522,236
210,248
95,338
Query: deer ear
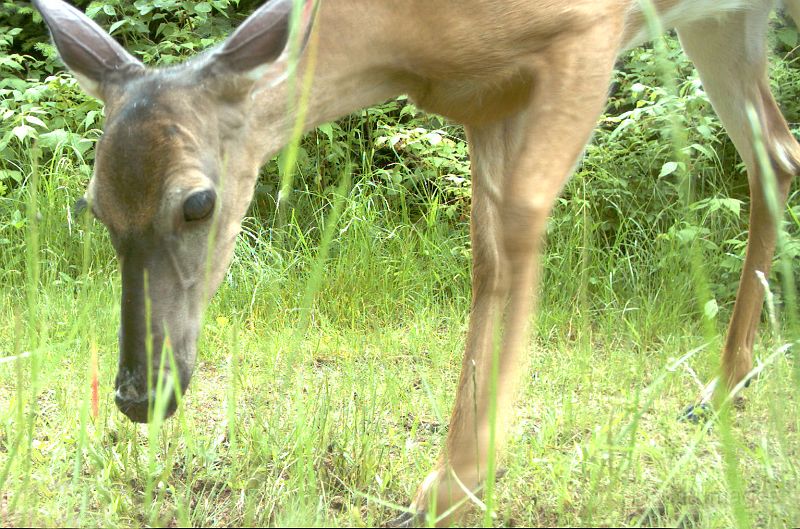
x,y
259,49
84,47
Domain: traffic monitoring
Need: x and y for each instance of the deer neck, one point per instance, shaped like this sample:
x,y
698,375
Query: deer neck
x,y
347,65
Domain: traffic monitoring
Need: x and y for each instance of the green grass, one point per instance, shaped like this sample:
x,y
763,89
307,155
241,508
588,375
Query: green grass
x,y
329,357
339,424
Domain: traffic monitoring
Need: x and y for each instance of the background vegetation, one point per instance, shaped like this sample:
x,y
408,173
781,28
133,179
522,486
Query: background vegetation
x,y
337,423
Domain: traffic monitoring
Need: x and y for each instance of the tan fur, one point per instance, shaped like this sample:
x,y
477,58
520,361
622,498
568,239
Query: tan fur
x,y
528,79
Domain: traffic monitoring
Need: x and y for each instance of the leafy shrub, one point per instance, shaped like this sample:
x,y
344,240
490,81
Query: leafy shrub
x,y
627,199
41,103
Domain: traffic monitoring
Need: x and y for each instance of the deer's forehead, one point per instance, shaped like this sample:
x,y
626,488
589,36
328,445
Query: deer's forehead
x,y
146,149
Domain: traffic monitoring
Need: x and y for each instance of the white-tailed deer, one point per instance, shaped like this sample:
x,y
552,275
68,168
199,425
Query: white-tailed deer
x,y
528,78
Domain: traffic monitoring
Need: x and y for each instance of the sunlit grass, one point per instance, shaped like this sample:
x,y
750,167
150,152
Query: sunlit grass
x,y
335,425
329,358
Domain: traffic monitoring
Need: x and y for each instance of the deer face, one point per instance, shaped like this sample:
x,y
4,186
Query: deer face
x,y
160,187
173,177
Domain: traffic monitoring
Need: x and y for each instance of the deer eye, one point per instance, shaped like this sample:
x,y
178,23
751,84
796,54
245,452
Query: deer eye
x,y
199,205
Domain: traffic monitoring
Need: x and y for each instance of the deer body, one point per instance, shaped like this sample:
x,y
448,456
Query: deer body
x,y
527,78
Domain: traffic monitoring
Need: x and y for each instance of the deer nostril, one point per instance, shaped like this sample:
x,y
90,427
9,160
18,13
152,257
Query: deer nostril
x,y
139,407
127,393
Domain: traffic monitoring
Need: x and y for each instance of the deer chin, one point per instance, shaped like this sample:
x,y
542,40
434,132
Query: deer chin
x,y
143,408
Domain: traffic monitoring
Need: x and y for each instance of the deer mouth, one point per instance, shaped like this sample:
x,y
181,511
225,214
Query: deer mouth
x,y
142,409
149,386
142,401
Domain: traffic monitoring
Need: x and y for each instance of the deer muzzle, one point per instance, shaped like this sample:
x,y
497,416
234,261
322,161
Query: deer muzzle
x,y
159,325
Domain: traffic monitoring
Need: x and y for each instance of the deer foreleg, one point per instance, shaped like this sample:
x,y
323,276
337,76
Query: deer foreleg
x,y
520,164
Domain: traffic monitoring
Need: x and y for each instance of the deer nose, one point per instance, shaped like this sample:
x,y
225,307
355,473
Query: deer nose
x,y
130,402
136,402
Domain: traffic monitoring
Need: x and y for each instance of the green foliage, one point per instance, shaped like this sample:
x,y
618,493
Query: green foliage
x,y
355,411
165,31
40,104
627,195
423,156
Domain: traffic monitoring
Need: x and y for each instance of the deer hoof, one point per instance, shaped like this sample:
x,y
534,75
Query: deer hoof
x,y
696,413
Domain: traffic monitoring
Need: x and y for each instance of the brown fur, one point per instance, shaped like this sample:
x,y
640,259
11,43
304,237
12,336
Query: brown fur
x,y
527,78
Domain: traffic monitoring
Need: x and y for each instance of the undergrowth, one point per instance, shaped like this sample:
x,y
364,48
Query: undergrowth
x,y
338,426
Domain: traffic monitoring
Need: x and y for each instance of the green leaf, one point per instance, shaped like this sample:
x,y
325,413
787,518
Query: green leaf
x,y
202,7
705,131
23,131
434,138
705,151
731,204
327,130
116,25
788,36
710,309
51,140
93,9
144,6
90,119
35,121
10,174
668,168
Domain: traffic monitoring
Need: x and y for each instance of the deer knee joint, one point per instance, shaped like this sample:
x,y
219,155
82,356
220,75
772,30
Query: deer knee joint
x,y
785,156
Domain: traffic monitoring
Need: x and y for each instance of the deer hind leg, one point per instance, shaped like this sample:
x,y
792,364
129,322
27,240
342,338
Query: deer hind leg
x,y
519,166
730,55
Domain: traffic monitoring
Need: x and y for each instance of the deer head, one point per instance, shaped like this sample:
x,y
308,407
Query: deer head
x,y
173,177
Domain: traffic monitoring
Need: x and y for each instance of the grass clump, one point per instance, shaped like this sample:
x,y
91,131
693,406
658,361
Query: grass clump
x,y
329,357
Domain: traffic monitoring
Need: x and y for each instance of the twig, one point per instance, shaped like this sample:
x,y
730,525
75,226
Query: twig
x,y
8,359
